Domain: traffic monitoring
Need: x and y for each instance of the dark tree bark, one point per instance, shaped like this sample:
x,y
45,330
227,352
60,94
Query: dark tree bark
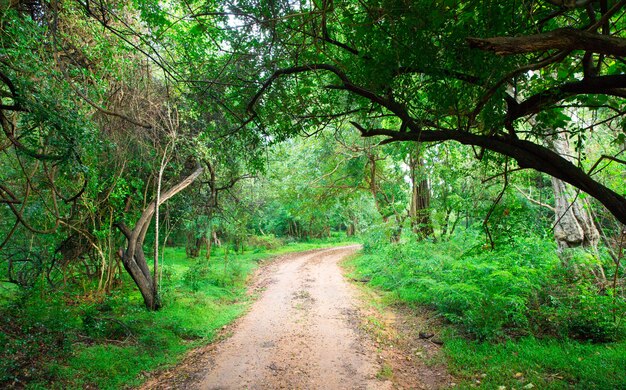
x,y
419,211
561,39
526,153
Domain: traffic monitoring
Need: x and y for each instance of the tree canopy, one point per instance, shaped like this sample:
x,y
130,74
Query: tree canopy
x,y
504,77
107,109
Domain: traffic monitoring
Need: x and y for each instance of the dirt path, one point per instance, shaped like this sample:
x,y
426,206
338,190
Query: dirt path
x,y
301,334
304,332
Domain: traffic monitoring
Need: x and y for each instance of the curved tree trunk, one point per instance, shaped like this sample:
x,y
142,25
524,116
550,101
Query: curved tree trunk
x,y
133,257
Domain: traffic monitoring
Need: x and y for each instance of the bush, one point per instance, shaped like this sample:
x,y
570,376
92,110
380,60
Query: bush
x,y
221,274
578,309
266,242
517,289
196,274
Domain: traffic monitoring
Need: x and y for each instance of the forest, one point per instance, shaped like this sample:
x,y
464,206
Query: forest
x,y
154,154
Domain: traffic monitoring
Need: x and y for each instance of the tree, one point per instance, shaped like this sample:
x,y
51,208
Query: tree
x,y
574,225
421,66
67,91
85,123
419,210
133,257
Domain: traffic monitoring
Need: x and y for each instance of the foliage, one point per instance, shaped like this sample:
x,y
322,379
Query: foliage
x,y
69,340
423,72
521,317
102,106
313,186
518,289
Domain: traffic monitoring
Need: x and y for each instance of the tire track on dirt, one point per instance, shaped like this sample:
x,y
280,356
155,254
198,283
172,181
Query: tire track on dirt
x,y
311,329
302,333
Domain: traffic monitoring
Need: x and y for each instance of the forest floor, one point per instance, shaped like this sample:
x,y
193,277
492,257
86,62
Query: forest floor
x,y
310,328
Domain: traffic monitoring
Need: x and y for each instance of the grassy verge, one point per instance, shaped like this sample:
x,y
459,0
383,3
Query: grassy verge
x,y
64,340
542,363
501,332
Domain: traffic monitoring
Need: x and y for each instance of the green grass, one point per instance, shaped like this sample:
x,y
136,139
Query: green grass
x,y
59,340
385,372
547,364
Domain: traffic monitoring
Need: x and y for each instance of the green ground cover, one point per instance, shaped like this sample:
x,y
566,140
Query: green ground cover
x,y
515,316
73,340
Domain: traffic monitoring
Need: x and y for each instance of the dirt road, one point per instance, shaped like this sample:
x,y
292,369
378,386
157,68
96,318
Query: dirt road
x,y
301,334
312,329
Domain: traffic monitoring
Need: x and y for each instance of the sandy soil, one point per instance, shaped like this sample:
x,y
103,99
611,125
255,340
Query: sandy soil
x,y
301,334
307,330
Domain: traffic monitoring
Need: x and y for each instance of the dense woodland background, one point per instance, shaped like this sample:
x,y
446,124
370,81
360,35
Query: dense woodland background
x,y
152,153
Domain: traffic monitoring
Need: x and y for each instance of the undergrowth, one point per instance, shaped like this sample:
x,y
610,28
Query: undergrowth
x,y
71,338
529,362
519,315
518,289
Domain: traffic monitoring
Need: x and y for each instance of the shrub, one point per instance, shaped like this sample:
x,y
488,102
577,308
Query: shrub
x,y
517,289
267,242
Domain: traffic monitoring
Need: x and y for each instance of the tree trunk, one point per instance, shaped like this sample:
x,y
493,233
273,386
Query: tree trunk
x,y
350,230
133,258
216,239
419,211
192,244
378,196
573,223
209,243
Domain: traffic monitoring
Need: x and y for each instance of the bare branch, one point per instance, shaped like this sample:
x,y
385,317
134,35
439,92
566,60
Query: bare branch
x,y
531,200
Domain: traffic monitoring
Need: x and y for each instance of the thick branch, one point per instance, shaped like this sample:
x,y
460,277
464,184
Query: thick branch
x,y
560,39
146,216
527,155
614,85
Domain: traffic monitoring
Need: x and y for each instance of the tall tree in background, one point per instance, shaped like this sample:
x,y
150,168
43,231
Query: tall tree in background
x,y
573,225
419,210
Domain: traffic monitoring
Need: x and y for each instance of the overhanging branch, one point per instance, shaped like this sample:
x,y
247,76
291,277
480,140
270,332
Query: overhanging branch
x,y
526,153
613,85
560,39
